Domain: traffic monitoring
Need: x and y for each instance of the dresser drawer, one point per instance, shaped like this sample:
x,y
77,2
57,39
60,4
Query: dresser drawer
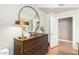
x,y
34,51
44,38
31,44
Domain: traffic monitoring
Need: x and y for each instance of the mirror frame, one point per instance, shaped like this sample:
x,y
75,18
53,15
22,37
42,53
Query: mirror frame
x,y
35,12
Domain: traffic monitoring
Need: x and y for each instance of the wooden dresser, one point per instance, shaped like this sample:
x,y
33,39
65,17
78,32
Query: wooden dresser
x,y
36,45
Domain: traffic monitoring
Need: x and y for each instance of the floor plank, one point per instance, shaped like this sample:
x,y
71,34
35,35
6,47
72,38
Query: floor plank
x,y
63,46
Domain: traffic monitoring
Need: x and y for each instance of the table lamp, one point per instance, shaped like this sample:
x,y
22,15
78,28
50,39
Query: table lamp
x,y
22,23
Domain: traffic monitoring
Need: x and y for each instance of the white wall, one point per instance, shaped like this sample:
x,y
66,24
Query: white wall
x,y
8,29
75,15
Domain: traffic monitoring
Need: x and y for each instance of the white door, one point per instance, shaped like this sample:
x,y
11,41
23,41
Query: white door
x,y
53,36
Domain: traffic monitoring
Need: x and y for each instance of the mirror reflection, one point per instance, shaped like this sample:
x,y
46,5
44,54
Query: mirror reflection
x,y
31,15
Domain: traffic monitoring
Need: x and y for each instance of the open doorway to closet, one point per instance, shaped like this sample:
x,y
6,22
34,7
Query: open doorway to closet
x,y
65,32
65,29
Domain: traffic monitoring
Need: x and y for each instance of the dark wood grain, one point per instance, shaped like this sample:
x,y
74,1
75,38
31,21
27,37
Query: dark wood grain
x,y
37,45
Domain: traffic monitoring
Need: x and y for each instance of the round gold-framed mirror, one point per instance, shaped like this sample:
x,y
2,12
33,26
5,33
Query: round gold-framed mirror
x,y
30,14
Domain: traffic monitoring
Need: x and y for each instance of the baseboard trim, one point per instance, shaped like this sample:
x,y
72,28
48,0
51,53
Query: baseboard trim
x,y
65,40
53,47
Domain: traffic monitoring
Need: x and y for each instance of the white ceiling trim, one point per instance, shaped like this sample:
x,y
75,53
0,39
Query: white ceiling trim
x,y
58,5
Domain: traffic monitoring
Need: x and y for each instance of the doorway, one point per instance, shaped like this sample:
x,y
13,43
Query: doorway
x,y
65,29
65,35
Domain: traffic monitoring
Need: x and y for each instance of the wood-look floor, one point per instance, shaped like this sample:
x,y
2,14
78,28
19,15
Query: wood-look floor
x,y
63,46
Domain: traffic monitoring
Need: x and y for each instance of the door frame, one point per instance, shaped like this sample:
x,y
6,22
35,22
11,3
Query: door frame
x,y
72,28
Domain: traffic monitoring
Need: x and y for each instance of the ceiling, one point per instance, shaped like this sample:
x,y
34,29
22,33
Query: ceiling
x,y
57,8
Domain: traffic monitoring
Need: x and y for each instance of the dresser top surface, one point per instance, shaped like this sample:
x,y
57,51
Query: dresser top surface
x,y
30,37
